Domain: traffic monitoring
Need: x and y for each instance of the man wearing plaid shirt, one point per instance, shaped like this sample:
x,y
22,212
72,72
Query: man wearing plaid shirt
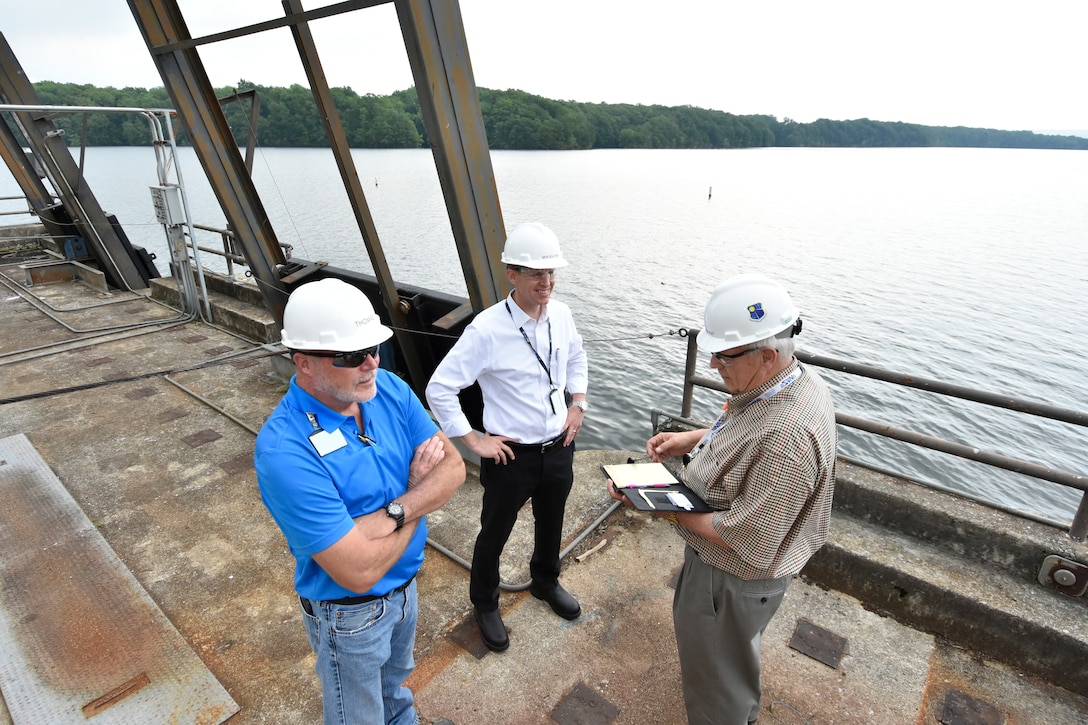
x,y
767,469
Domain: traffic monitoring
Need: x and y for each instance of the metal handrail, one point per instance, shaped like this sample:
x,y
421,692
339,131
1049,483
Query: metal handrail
x,y
1078,530
229,252
28,211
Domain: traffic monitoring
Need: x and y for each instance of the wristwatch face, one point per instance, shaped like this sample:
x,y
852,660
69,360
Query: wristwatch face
x,y
583,404
396,511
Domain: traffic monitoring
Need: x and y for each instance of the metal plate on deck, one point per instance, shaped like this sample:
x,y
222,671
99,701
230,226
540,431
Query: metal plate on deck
x,y
818,643
80,639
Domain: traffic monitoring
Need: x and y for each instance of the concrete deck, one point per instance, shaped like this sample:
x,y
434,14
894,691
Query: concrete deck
x,y
161,464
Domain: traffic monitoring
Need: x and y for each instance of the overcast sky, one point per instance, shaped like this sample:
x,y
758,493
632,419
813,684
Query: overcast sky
x,y
1007,64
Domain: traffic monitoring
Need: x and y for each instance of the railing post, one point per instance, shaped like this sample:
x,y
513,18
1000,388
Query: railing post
x,y
1078,530
689,372
228,247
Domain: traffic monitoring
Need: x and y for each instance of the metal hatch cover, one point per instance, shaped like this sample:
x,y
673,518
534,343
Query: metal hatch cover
x,y
81,641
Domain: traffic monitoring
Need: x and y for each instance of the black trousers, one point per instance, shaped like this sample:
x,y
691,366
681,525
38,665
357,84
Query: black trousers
x,y
546,478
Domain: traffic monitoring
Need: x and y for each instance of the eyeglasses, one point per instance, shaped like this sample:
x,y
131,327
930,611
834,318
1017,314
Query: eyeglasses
x,y
725,359
348,359
538,274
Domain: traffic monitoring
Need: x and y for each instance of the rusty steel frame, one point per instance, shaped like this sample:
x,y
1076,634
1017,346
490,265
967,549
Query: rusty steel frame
x,y
434,40
319,86
162,25
88,219
434,36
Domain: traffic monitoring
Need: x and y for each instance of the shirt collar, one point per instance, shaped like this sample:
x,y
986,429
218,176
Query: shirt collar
x,y
744,399
520,316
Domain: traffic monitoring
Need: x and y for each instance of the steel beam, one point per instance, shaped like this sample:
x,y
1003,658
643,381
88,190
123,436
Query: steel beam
x,y
412,353
434,36
163,27
11,151
87,216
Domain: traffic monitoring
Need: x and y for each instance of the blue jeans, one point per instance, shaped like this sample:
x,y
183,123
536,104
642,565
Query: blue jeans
x,y
364,655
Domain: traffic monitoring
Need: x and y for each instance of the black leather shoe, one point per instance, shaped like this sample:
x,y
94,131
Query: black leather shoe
x,y
560,600
492,630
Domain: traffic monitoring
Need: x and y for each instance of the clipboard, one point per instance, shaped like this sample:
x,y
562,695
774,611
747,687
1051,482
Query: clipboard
x,y
634,475
653,487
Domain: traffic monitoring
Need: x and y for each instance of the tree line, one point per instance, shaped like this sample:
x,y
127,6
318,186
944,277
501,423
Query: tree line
x,y
513,119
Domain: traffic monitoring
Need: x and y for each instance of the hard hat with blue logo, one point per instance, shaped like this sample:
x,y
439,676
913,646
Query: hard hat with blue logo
x,y
745,309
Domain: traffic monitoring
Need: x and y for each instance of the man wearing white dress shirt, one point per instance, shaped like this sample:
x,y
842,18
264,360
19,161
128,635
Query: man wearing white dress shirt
x,y
525,353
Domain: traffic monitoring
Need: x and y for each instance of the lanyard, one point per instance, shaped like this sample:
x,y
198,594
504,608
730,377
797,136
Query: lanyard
x,y
319,431
530,344
765,395
778,388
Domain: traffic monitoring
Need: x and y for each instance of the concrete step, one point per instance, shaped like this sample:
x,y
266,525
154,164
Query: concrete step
x,y
236,306
971,530
958,570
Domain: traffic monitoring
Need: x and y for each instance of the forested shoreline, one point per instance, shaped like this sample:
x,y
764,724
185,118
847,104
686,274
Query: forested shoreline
x,y
515,120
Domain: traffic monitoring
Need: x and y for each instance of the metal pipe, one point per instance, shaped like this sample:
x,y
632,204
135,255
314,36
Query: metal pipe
x,y
990,458
1078,529
942,388
522,586
40,305
689,373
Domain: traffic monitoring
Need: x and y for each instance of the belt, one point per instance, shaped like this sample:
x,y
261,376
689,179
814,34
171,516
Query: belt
x,y
539,447
307,604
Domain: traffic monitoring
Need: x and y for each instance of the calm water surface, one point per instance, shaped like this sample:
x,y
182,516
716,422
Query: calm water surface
x,y
963,265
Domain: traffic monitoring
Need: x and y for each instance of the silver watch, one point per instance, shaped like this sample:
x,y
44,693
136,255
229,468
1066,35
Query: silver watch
x,y
583,404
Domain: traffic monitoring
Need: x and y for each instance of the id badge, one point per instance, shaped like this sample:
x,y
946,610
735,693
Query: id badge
x,y
325,443
557,401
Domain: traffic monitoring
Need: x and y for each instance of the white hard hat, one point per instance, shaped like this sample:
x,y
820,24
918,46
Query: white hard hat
x,y
533,245
330,314
746,309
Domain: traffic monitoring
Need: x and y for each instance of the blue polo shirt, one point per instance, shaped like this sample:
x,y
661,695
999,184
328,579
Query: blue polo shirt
x,y
314,498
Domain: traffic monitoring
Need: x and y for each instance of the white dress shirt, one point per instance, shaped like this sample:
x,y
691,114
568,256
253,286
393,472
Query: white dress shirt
x,y
515,386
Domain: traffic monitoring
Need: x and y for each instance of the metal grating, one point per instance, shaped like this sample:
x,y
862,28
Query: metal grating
x,y
80,639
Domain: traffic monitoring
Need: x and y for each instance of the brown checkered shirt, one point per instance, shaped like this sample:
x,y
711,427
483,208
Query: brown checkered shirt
x,y
769,474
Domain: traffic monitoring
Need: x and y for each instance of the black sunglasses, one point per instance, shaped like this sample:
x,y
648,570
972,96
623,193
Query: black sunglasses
x,y
725,359
348,359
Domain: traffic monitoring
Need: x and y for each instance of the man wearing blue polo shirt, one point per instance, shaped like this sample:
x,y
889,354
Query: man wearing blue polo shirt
x,y
348,464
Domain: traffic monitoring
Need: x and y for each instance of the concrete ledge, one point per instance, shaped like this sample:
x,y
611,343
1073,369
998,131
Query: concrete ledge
x,y
233,306
1031,629
20,235
955,569
961,527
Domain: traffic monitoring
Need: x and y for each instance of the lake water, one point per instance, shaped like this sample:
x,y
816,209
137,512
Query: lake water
x,y
962,265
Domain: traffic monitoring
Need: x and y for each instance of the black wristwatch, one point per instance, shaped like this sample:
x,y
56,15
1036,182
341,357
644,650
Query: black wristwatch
x,y
396,512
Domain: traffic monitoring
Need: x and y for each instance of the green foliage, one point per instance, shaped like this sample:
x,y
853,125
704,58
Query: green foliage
x,y
120,129
513,119
519,120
